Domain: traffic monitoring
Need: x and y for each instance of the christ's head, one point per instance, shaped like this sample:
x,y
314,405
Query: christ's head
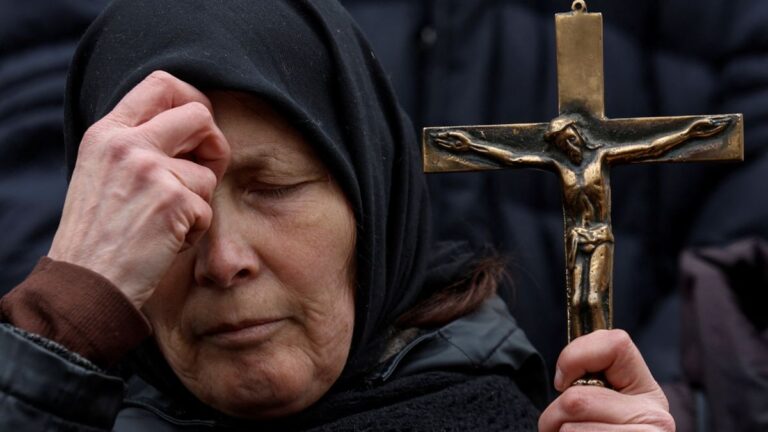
x,y
565,135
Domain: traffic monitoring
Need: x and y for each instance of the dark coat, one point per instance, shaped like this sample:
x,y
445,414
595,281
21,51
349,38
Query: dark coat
x,y
476,373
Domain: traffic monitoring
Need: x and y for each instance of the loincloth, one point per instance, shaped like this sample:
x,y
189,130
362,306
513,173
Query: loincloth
x,y
587,239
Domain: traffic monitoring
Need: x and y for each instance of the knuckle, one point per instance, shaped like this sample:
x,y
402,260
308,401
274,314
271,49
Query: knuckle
x,y
96,135
209,177
113,148
141,170
622,341
141,162
163,83
205,215
168,208
118,149
95,131
199,111
160,78
140,135
182,212
621,335
178,228
574,402
91,138
173,196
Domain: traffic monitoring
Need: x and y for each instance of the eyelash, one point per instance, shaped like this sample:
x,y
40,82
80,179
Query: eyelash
x,y
274,192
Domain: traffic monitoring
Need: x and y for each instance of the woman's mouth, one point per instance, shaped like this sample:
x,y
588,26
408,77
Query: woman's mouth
x,y
243,334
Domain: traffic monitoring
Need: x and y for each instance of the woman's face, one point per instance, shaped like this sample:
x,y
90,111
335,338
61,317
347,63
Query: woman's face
x,y
257,318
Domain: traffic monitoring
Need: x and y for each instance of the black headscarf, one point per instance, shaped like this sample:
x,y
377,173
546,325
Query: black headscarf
x,y
310,61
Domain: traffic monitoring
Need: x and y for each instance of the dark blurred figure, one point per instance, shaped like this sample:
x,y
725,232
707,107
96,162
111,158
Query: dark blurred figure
x,y
37,39
460,62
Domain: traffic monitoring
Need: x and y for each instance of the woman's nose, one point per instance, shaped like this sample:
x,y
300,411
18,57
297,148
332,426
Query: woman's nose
x,y
224,258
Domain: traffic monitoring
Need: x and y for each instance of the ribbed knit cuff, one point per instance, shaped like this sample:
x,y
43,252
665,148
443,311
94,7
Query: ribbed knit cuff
x,y
77,308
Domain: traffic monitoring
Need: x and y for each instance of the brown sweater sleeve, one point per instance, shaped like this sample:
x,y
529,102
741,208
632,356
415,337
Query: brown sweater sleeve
x,y
79,309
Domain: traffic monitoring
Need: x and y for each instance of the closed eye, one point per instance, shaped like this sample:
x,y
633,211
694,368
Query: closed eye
x,y
274,191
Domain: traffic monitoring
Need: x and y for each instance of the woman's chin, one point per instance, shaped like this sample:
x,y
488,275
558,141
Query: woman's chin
x,y
245,388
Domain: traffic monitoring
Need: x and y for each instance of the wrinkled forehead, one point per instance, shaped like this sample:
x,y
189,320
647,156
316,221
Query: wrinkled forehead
x,y
260,138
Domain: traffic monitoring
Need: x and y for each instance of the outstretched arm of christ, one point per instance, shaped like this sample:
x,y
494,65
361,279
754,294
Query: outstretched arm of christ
x,y
701,128
461,142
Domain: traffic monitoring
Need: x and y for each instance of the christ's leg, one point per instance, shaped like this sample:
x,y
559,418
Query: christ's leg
x,y
598,298
575,302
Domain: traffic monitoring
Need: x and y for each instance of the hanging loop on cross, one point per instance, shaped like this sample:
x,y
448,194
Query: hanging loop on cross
x,y
579,6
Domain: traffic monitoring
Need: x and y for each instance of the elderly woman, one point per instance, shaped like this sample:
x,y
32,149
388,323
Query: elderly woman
x,y
258,209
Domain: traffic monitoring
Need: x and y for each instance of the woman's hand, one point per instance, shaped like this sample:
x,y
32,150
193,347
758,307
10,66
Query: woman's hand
x,y
636,402
142,184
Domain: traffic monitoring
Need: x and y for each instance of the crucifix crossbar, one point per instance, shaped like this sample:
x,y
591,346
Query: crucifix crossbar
x,y
580,145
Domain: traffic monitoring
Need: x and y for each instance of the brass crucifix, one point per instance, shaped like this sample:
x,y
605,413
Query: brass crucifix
x,y
580,145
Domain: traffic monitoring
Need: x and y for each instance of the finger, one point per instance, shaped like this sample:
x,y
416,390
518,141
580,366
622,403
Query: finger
x,y
200,214
608,351
195,177
600,405
158,92
191,129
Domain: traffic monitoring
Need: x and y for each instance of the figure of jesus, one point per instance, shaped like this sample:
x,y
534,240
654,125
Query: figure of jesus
x,y
582,165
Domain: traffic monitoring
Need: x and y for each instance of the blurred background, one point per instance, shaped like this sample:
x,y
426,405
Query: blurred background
x,y
691,265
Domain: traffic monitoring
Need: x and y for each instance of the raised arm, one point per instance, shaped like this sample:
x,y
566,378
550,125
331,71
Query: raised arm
x,y
134,202
701,128
461,142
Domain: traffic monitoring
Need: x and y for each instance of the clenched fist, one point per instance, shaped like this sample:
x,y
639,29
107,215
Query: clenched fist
x,y
635,402
142,184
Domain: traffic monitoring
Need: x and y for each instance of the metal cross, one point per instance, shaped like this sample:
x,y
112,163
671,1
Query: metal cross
x,y
581,145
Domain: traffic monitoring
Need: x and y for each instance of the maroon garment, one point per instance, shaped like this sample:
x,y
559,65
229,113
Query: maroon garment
x,y
77,308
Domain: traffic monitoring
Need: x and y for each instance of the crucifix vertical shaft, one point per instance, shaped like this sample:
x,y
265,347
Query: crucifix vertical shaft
x,y
587,214
580,80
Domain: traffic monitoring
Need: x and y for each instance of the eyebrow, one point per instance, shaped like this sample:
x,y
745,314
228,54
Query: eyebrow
x,y
254,161
269,163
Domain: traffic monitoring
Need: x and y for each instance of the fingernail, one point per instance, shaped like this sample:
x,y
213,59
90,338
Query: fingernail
x,y
558,379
